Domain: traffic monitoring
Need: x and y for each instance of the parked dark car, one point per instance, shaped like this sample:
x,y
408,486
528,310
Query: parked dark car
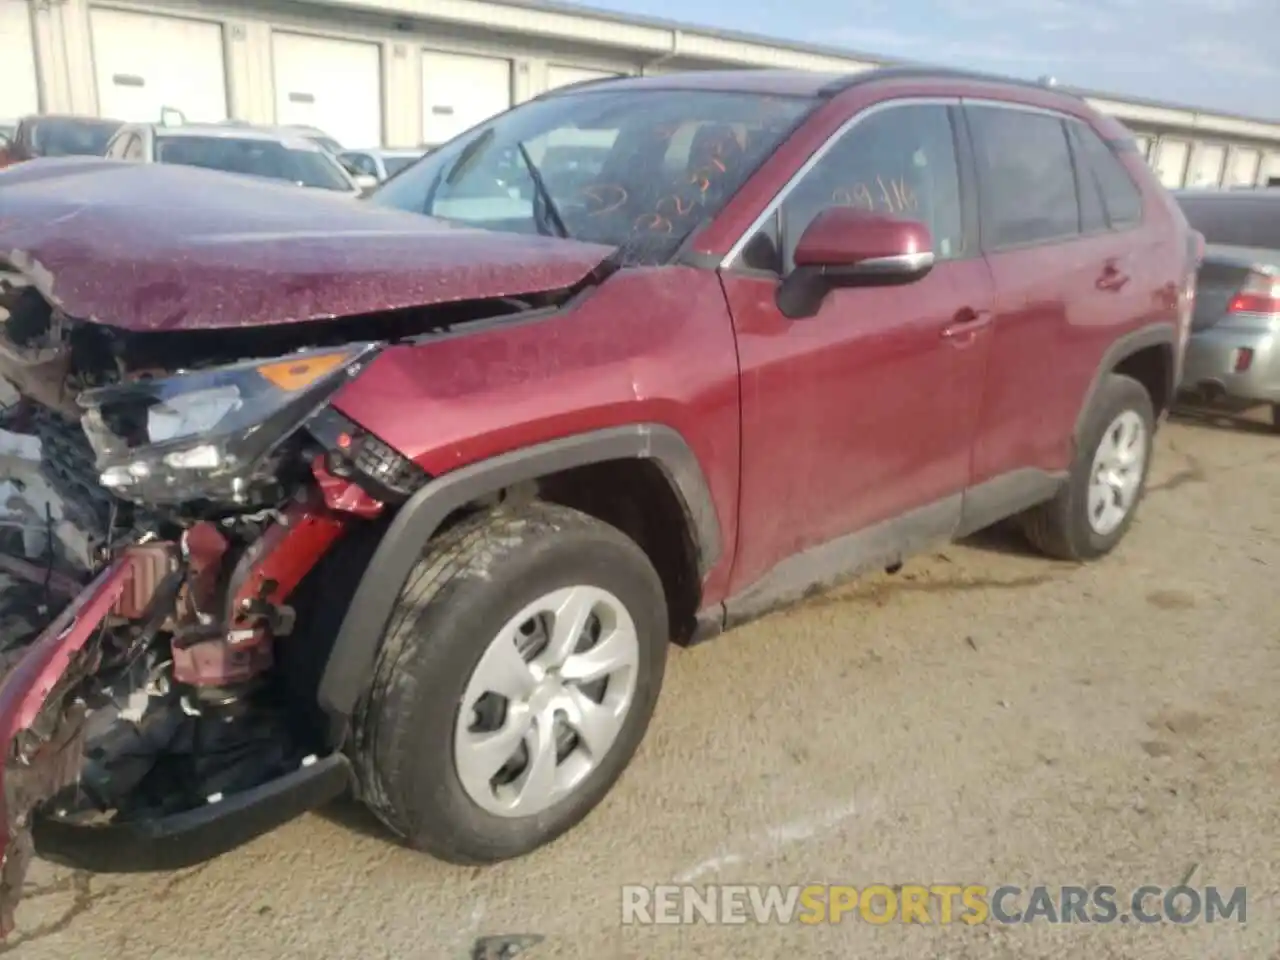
x,y
409,496
1233,357
57,136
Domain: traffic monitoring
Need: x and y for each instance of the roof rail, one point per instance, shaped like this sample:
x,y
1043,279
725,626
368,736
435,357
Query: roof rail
x,y
937,73
579,84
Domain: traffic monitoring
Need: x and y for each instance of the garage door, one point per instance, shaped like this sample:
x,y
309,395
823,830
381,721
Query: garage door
x,y
19,94
1207,161
1171,161
335,85
1242,168
459,91
1270,169
561,76
144,63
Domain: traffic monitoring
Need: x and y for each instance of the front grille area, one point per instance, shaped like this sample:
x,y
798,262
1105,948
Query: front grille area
x,y
66,487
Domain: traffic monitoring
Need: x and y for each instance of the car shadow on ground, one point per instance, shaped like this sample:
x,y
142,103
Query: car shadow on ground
x,y
351,814
1004,537
1249,421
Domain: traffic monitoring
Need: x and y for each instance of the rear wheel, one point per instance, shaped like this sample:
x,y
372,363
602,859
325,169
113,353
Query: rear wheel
x,y
1093,510
516,681
1275,417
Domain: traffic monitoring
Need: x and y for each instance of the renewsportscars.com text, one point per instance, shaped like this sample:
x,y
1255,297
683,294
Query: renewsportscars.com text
x,y
970,904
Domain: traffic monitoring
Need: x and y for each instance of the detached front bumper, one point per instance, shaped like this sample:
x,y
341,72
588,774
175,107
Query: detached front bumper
x,y
41,743
41,730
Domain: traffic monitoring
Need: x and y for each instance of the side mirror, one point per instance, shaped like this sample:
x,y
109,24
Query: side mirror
x,y
365,181
848,247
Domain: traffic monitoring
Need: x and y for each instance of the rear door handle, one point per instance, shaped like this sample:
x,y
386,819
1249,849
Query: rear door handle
x,y
965,324
1113,277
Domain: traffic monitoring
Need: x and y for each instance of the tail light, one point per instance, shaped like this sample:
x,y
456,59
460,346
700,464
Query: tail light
x,y
1259,294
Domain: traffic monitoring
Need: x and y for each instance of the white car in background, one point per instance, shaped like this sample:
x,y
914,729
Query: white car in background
x,y
250,151
314,134
371,167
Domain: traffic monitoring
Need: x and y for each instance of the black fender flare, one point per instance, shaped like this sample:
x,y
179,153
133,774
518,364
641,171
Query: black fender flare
x,y
350,663
1153,335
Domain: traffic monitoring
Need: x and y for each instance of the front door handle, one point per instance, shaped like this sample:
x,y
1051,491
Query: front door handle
x,y
965,325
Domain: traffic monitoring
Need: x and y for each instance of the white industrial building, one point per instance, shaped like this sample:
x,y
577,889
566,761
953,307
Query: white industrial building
x,y
408,72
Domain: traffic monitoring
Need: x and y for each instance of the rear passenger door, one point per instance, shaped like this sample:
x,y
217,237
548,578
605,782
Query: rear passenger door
x,y
1060,280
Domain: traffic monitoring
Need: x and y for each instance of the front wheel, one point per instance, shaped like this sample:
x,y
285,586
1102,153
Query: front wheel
x,y
1094,509
516,681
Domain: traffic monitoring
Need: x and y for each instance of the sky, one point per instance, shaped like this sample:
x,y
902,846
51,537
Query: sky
x,y
1214,54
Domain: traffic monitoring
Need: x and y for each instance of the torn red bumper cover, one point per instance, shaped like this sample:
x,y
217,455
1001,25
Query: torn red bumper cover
x,y
42,746
41,727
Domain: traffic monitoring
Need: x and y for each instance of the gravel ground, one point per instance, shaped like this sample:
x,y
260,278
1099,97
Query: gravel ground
x,y
983,716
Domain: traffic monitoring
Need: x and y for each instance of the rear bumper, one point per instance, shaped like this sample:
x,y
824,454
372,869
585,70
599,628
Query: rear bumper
x,y
1209,368
185,839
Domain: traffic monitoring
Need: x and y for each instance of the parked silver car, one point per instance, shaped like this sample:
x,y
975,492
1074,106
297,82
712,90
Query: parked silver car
x,y
245,150
1233,357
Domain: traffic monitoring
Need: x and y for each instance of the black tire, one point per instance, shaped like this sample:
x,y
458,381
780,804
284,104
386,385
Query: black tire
x,y
1060,528
471,580
1275,417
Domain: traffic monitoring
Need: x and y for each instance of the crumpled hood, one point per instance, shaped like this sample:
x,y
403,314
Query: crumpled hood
x,y
160,247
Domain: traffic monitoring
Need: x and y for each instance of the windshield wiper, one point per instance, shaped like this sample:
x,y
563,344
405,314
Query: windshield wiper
x,y
540,185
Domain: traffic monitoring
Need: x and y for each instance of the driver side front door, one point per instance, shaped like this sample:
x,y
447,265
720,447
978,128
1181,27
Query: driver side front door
x,y
858,423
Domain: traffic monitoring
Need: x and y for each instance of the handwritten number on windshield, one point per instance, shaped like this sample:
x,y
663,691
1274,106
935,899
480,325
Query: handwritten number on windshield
x,y
604,198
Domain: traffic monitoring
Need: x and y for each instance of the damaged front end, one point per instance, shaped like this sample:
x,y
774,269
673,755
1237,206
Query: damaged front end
x,y
158,512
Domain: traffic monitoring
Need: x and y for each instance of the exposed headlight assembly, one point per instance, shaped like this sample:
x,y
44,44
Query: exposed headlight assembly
x,y
204,435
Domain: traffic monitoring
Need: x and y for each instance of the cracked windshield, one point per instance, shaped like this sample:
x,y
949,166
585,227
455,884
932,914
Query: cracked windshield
x,y
508,480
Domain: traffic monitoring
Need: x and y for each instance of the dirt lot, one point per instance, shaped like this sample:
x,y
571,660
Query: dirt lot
x,y
982,717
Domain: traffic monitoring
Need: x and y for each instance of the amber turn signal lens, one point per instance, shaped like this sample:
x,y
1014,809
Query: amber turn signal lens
x,y
291,375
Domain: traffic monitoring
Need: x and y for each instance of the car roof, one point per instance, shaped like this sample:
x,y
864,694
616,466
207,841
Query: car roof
x,y
289,138
387,151
1242,195
70,118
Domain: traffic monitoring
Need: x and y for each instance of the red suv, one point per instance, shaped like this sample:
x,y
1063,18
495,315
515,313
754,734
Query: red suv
x,y
410,495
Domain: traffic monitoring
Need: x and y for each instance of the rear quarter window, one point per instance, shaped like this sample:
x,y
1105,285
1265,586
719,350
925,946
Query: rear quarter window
x,y
1120,195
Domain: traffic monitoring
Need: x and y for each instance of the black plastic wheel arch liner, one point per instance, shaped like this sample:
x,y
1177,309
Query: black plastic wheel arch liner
x,y
351,661
1152,335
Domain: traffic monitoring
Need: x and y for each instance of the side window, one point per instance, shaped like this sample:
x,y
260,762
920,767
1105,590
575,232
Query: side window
x,y
899,161
1120,195
1027,177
